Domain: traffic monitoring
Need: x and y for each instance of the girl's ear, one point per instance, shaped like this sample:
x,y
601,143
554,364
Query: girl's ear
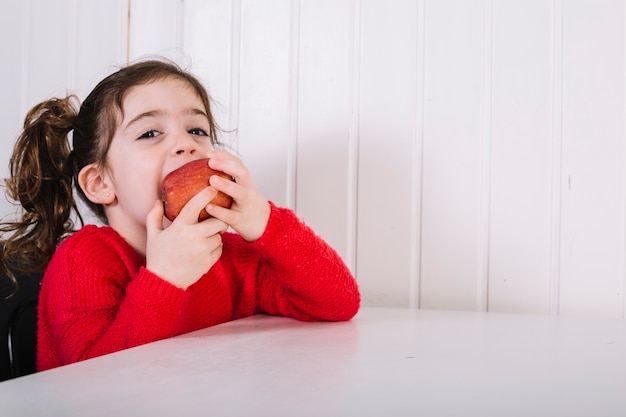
x,y
96,185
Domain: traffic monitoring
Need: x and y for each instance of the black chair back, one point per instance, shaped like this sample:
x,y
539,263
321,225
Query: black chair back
x,y
18,326
21,338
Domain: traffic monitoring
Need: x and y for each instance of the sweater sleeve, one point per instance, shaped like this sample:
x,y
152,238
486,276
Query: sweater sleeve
x,y
300,275
96,300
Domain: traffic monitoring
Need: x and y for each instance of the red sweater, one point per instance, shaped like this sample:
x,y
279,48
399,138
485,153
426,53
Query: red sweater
x,y
97,297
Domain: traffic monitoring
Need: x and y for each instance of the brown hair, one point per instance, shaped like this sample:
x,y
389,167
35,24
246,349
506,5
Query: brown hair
x,y
44,168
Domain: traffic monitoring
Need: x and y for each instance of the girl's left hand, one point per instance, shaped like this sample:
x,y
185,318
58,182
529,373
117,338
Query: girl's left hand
x,y
250,211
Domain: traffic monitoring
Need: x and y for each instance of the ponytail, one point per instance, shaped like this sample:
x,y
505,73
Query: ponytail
x,y
41,182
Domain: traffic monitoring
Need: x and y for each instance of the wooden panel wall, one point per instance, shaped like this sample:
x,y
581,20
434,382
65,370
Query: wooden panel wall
x,y
459,154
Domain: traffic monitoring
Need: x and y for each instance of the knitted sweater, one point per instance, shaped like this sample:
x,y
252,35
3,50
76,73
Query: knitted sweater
x,y
97,297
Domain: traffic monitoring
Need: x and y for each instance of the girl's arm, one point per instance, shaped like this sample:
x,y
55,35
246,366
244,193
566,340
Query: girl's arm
x,y
300,275
96,298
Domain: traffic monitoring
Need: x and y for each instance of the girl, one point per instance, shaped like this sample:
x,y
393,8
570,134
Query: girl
x,y
140,278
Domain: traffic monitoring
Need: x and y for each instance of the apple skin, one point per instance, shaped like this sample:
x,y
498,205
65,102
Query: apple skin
x,y
180,185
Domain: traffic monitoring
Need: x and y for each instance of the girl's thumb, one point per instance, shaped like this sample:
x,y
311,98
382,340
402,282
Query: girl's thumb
x,y
154,221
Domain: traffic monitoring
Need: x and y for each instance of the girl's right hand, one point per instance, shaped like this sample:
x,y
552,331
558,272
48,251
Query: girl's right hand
x,y
184,251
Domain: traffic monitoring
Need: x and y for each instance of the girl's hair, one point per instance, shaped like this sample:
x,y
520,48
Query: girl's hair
x,y
44,168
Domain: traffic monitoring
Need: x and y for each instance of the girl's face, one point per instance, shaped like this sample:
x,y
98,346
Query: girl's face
x,y
164,126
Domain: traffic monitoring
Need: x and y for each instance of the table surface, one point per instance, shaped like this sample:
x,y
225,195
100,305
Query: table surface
x,y
385,362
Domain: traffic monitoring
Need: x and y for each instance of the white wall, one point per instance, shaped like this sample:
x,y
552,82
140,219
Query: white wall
x,y
459,154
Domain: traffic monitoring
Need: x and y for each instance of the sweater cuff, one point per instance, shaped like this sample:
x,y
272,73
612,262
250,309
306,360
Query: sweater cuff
x,y
157,287
157,300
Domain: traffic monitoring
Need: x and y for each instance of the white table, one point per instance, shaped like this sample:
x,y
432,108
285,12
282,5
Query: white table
x,y
385,362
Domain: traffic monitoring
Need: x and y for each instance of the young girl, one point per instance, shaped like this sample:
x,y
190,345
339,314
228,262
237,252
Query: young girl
x,y
142,278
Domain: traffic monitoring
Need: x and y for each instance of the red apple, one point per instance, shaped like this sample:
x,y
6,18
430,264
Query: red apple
x,y
180,185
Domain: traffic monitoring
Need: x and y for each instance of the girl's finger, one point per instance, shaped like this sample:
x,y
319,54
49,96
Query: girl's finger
x,y
191,210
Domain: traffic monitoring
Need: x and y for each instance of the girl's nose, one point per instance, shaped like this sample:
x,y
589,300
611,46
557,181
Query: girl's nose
x,y
184,144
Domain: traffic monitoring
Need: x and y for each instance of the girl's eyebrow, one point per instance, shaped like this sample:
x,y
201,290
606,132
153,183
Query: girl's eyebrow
x,y
192,111
151,113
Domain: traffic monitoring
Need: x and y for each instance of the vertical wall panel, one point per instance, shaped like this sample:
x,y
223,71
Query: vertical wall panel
x,y
155,29
387,138
264,108
592,271
207,39
323,118
556,176
13,21
100,41
50,57
452,155
15,25
519,232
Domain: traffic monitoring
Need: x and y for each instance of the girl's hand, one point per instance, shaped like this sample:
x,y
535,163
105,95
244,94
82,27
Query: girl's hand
x,y
250,211
186,249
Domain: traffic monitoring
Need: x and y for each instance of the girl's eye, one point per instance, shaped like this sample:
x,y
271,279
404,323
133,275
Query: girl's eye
x,y
150,134
198,132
